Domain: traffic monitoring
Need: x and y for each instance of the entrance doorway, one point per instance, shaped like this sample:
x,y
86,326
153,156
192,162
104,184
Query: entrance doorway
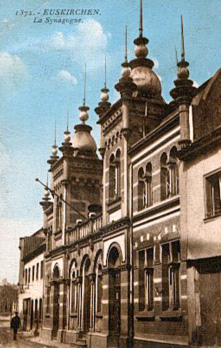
x,y
55,310
210,304
114,297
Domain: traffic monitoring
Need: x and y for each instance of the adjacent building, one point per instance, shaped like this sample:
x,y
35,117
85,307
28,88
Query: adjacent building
x,y
130,242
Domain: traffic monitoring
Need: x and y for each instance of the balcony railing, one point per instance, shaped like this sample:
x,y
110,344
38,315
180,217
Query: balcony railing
x,y
85,229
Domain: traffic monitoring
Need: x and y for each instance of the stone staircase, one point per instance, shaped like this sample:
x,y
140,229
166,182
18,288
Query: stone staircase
x,y
80,343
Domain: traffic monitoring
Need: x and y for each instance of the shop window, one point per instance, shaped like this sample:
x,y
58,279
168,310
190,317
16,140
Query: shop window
x,y
213,194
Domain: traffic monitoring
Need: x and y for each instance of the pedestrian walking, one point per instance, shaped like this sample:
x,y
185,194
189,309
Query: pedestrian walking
x,y
15,323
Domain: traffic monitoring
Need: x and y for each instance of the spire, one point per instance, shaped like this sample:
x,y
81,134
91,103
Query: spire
x,y
66,147
55,132
126,45
141,19
141,66
182,41
85,81
105,72
67,137
184,89
67,120
176,56
125,86
103,105
84,109
54,157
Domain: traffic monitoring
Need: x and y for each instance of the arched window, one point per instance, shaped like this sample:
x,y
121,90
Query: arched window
x,y
99,287
164,177
59,213
115,176
174,172
117,188
112,178
74,293
145,196
141,189
148,185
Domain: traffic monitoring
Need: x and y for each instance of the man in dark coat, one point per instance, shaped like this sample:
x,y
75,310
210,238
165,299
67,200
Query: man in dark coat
x,y
15,323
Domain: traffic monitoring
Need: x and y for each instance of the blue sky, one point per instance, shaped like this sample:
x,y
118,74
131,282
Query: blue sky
x,y
41,76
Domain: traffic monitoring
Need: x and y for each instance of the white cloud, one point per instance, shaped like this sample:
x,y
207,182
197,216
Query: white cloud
x,y
87,44
12,69
66,76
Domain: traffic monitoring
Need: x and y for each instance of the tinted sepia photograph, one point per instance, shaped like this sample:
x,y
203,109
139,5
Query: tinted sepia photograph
x,y
110,152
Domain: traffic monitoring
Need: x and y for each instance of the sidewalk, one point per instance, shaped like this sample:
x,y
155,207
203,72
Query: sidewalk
x,y
45,343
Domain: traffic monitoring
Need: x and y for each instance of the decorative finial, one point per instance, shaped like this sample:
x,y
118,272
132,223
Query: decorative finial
x,y
126,69
176,55
54,147
141,19
84,109
105,72
67,137
67,120
182,41
85,80
126,45
55,131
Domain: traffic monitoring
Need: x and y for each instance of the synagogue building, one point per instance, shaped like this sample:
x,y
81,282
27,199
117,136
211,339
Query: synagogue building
x,y
129,253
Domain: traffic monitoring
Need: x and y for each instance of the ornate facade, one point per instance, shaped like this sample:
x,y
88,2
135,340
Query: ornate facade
x,y
116,270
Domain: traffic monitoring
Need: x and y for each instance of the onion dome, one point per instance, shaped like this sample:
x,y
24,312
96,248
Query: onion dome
x,y
184,90
54,156
103,105
82,141
147,81
126,86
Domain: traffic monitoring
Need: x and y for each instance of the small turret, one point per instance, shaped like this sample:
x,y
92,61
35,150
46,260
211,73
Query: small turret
x,y
104,104
54,156
183,93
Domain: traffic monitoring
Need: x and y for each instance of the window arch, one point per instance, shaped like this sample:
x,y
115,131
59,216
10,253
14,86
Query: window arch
x,y
164,177
59,212
145,196
74,292
174,172
148,185
141,189
115,175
